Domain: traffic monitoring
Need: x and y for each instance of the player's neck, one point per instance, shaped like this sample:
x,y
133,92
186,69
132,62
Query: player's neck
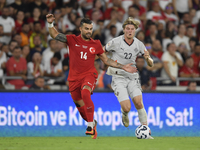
x,y
129,41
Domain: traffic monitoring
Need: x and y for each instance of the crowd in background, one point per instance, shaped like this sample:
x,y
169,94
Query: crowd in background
x,y
170,30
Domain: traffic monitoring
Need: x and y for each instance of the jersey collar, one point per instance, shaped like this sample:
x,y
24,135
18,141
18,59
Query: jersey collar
x,y
126,42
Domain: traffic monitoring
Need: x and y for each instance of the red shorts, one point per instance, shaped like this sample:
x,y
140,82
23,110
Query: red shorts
x,y
75,87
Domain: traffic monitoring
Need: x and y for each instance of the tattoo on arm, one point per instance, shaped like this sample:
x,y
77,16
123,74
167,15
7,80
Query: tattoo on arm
x,y
61,37
113,63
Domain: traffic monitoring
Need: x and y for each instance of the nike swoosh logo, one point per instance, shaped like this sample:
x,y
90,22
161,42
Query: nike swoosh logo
x,y
122,49
89,107
77,45
89,83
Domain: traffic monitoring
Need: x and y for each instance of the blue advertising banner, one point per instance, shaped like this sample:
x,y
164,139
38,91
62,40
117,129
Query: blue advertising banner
x,y
54,114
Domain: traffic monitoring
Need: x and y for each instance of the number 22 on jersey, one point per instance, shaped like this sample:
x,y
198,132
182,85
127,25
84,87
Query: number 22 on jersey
x,y
83,55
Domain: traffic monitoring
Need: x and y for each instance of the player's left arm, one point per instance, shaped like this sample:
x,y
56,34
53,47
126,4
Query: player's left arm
x,y
115,64
148,59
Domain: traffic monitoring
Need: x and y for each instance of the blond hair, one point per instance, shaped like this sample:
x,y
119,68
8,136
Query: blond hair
x,y
130,20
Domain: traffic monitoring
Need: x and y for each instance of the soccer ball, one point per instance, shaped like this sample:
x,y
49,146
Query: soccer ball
x,y
142,132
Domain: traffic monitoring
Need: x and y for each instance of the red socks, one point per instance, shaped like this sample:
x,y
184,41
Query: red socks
x,y
89,106
83,112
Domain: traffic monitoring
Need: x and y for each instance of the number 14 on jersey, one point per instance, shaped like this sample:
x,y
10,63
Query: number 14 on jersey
x,y
83,55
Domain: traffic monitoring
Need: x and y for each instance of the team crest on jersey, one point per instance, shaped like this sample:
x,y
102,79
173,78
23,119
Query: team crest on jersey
x,y
136,50
92,50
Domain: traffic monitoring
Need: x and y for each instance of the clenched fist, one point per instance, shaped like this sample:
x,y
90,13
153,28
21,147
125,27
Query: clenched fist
x,y
50,18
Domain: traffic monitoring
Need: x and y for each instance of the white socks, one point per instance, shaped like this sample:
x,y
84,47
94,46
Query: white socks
x,y
91,124
142,116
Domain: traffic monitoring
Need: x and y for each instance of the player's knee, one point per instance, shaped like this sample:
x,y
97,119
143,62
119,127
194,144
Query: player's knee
x,y
139,105
126,108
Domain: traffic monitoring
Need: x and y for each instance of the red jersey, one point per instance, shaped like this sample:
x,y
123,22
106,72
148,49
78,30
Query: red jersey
x,y
82,56
16,67
186,70
196,62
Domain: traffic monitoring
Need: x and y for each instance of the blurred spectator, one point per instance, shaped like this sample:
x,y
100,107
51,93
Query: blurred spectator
x,y
192,85
116,6
39,84
190,32
192,43
54,67
97,6
69,21
194,17
113,21
141,36
8,24
19,21
187,20
12,46
24,34
196,57
171,61
26,53
111,34
18,5
157,49
3,61
155,14
99,33
120,16
156,69
183,51
180,37
166,40
187,70
5,49
37,41
152,34
86,5
182,6
2,5
163,4
49,52
35,68
95,18
3,38
144,74
142,11
196,4
38,31
17,66
168,15
171,29
36,17
39,4
63,49
17,37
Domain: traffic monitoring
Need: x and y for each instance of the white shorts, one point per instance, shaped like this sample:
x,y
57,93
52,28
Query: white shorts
x,y
124,87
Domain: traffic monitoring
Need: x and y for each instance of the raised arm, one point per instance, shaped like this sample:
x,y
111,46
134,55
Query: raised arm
x,y
52,30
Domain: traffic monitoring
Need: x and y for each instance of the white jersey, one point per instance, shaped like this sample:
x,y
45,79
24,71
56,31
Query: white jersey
x,y
124,54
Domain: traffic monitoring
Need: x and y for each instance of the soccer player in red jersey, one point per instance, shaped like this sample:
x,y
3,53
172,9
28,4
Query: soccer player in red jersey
x,y
82,75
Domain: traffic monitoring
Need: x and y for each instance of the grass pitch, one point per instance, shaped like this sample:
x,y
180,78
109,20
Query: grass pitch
x,y
101,143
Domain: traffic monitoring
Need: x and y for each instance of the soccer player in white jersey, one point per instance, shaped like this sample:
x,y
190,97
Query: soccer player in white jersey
x,y
124,49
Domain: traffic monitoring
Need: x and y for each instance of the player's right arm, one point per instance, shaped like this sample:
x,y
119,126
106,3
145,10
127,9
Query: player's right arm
x,y
52,30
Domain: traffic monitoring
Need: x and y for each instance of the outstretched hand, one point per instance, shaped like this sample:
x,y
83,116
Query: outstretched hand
x,y
130,68
50,18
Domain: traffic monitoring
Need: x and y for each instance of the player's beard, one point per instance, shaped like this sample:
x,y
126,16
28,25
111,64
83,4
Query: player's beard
x,y
86,36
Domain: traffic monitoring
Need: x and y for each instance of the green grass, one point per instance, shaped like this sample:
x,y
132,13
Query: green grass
x,y
101,143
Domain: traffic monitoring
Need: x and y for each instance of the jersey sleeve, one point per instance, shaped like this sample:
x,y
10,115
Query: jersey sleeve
x,y
99,48
110,45
69,37
142,48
